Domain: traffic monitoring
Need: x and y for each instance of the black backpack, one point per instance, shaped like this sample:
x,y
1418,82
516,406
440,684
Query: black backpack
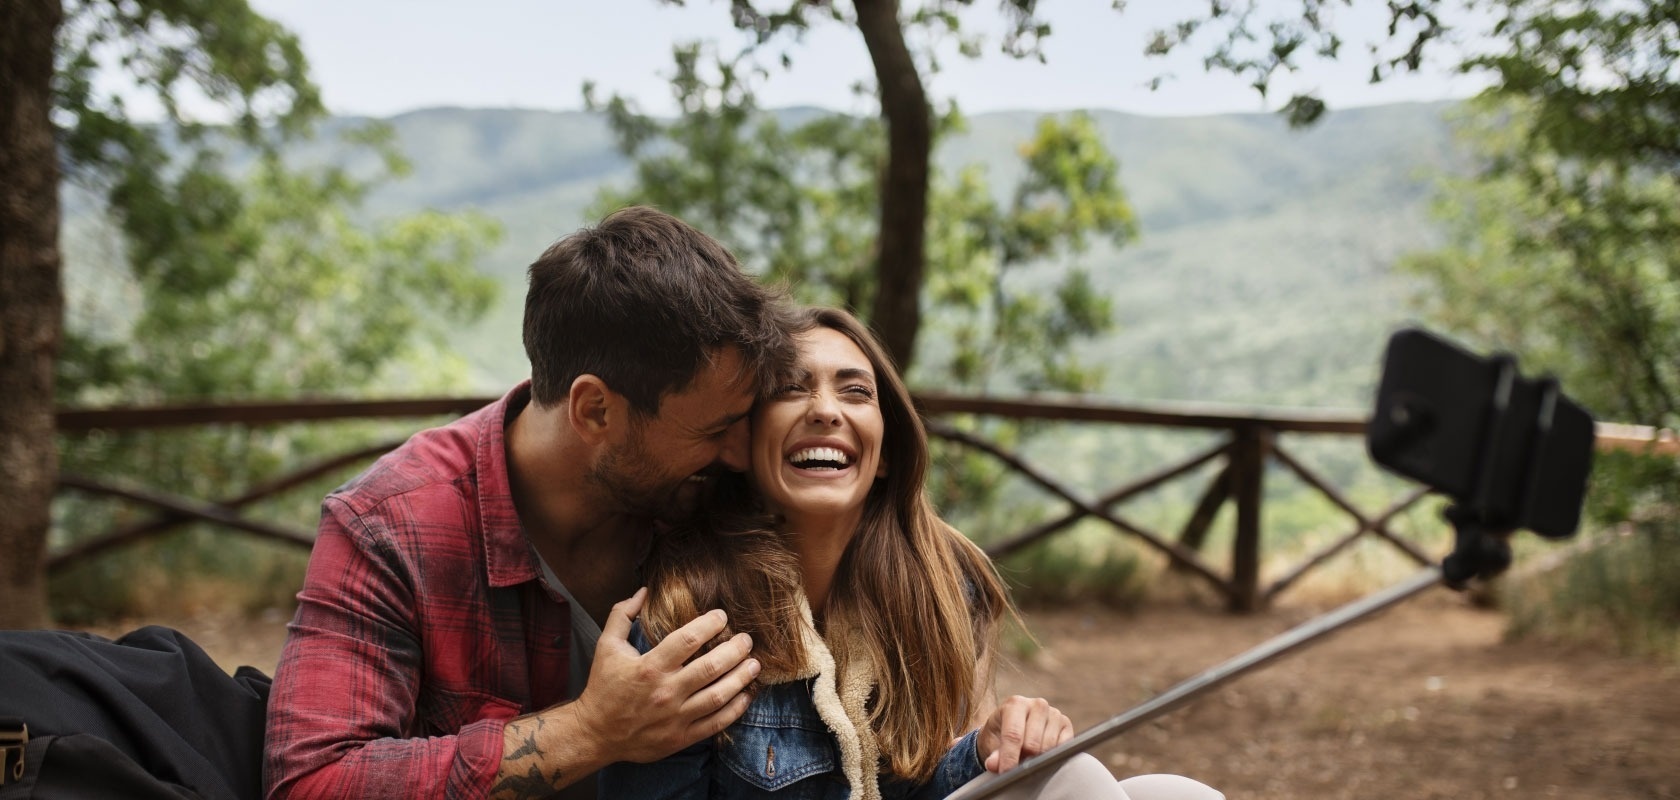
x,y
148,715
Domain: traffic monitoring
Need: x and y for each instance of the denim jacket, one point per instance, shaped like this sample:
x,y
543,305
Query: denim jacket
x,y
785,748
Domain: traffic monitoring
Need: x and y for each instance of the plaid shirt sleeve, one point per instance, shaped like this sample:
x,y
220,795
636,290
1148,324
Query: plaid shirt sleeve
x,y
343,718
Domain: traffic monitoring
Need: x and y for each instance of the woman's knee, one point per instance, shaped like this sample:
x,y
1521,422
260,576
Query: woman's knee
x,y
1167,787
1083,777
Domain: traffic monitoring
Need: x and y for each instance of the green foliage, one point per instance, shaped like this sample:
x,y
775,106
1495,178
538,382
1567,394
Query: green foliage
x,y
800,205
197,567
1566,250
263,281
221,50
1600,76
174,51
1091,566
1256,40
795,204
936,20
1011,332
286,295
1574,265
1621,593
1262,275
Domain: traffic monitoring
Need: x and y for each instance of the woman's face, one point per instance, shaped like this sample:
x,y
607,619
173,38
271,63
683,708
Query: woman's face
x,y
816,442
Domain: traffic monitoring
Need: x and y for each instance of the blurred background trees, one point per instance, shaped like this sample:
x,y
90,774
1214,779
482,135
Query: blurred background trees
x,y
232,260
1565,248
240,274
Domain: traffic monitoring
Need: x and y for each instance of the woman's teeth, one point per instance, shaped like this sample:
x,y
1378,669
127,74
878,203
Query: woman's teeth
x,y
820,458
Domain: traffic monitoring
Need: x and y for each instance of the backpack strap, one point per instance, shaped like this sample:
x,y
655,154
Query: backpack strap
x,y
14,739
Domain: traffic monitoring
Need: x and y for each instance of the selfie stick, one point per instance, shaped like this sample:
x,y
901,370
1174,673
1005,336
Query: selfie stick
x,y
1268,651
1529,467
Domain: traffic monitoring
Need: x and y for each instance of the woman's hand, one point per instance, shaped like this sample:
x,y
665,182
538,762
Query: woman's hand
x,y
1021,728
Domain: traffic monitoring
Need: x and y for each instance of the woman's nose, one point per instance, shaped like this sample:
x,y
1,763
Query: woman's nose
x,y
824,410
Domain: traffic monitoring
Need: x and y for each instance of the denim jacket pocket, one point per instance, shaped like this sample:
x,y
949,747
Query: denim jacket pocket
x,y
776,744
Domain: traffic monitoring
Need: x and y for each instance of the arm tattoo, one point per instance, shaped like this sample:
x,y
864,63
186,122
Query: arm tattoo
x,y
529,748
521,787
532,783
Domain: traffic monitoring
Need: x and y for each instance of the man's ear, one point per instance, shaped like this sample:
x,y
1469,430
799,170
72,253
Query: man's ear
x,y
594,409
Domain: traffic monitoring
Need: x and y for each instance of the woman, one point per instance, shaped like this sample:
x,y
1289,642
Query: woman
x,y
876,624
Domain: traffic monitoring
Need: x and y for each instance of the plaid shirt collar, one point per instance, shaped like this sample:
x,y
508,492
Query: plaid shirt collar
x,y
508,555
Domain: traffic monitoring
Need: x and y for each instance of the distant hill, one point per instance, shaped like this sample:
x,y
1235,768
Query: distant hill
x,y
1263,271
1262,275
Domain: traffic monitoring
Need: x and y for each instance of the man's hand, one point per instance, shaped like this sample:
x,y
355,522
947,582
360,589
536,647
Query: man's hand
x,y
1021,728
643,707
636,707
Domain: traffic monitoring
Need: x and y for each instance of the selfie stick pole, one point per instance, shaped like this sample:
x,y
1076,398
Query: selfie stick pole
x,y
1267,651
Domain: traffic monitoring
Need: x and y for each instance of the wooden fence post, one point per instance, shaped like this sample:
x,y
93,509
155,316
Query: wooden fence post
x,y
1248,469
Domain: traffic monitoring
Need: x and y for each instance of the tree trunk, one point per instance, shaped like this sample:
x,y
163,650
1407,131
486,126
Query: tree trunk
x,y
900,258
31,305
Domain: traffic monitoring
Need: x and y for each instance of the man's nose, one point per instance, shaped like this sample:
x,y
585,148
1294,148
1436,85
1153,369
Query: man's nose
x,y
736,442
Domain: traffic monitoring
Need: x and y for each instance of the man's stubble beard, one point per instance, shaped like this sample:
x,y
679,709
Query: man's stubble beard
x,y
629,478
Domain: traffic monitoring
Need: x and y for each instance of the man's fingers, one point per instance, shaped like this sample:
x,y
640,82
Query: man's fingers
x,y
713,724
721,693
618,619
712,666
681,645
709,697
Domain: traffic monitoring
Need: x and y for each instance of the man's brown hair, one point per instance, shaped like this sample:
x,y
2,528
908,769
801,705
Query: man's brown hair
x,y
643,301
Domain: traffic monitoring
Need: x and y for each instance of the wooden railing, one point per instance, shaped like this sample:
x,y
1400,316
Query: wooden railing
x,y
1250,444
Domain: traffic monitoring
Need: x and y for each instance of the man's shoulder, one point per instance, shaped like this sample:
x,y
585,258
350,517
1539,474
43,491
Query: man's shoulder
x,y
442,460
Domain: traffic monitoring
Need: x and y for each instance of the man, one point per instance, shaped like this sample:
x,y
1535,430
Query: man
x,y
458,586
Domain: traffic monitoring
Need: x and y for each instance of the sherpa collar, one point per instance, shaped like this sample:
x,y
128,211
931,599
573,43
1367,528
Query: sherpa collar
x,y
843,708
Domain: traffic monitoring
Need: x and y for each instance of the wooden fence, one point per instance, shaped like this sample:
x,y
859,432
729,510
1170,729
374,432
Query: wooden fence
x,y
1250,443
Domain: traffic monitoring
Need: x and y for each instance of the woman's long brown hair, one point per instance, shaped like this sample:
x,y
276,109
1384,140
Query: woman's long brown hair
x,y
922,602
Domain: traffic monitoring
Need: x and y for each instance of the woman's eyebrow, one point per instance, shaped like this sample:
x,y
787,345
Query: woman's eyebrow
x,y
853,373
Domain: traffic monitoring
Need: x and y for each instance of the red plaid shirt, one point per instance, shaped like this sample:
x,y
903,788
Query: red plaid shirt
x,y
421,629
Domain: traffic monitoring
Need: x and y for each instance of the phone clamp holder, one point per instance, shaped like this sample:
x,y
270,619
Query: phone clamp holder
x,y
1510,452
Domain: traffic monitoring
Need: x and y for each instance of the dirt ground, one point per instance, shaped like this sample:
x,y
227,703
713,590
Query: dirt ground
x,y
1424,701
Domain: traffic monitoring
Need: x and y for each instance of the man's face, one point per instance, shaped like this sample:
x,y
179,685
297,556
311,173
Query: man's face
x,y
660,466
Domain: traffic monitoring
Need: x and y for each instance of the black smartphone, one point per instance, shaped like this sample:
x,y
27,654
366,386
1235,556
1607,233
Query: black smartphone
x,y
1514,451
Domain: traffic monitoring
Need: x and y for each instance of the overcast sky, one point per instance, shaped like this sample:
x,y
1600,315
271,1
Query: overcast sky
x,y
382,57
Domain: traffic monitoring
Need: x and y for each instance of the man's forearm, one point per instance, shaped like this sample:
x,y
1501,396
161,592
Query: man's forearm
x,y
543,752
433,766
